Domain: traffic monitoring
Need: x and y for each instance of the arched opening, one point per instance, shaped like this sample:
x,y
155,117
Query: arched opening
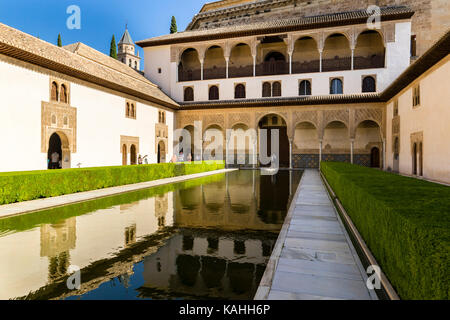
x,y
272,123
58,153
304,88
421,159
63,97
336,142
188,94
375,158
241,61
133,111
189,68
128,110
369,51
306,56
214,93
274,63
213,143
267,90
241,145
54,92
215,64
133,155
336,86
367,137
415,159
161,152
369,84
124,155
396,155
276,89
239,91
337,54
306,146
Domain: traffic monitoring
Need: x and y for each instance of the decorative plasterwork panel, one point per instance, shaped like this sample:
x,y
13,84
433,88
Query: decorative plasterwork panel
x,y
129,141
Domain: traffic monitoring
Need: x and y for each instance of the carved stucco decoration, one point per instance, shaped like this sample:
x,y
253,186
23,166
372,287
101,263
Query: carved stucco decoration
x,y
237,118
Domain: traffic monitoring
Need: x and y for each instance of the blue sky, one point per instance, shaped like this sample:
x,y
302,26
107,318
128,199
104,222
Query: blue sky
x,y
100,19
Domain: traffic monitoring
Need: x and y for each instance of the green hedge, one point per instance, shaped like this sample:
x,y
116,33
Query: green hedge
x,y
24,186
404,221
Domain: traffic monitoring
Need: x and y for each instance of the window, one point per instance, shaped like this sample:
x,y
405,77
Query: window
x,y
188,94
63,97
66,121
128,110
336,86
54,92
276,89
162,117
395,108
159,70
129,63
267,90
274,121
368,84
133,111
305,88
214,93
413,46
416,96
53,119
239,91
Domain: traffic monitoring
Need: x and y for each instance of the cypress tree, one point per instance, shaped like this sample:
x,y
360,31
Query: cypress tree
x,y
173,25
113,50
59,40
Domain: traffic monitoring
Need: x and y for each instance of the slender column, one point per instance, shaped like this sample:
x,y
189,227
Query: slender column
x,y
320,152
321,55
202,62
290,62
384,154
290,154
353,58
227,60
352,146
254,65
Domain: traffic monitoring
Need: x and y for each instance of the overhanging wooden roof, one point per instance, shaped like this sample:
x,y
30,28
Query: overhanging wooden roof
x,y
278,26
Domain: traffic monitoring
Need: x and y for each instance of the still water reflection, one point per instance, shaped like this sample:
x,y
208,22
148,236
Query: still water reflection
x,y
209,238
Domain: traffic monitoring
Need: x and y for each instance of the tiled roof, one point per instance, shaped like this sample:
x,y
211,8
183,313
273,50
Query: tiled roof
x,y
289,101
126,38
277,26
82,62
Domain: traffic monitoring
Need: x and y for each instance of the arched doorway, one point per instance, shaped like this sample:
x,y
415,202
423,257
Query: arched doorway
x,y
415,159
133,155
375,158
161,152
124,155
396,155
271,123
58,155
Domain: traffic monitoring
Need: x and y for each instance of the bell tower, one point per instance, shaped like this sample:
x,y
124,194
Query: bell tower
x,y
127,51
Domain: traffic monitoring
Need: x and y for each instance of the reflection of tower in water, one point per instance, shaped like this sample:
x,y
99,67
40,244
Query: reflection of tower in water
x,y
56,242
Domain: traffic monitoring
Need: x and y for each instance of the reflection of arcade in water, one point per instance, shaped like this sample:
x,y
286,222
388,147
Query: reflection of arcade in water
x,y
207,265
237,204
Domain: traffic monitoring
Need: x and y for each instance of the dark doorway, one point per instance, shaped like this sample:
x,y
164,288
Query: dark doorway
x,y
161,152
133,155
271,123
375,158
54,155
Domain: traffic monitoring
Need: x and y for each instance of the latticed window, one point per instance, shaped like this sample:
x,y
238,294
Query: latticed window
x,y
63,96
336,86
368,84
54,94
276,89
214,93
239,92
267,90
416,96
305,88
188,94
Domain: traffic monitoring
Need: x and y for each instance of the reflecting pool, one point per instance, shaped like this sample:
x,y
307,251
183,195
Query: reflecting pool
x,y
208,238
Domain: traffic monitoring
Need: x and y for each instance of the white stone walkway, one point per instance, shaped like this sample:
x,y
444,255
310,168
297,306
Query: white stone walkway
x,y
14,209
314,258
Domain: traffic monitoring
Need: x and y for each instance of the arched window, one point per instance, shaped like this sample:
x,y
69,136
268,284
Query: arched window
x,y
267,90
189,94
63,97
276,89
336,86
128,110
239,91
54,94
129,63
368,84
214,93
304,88
159,117
133,111
135,65
163,117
